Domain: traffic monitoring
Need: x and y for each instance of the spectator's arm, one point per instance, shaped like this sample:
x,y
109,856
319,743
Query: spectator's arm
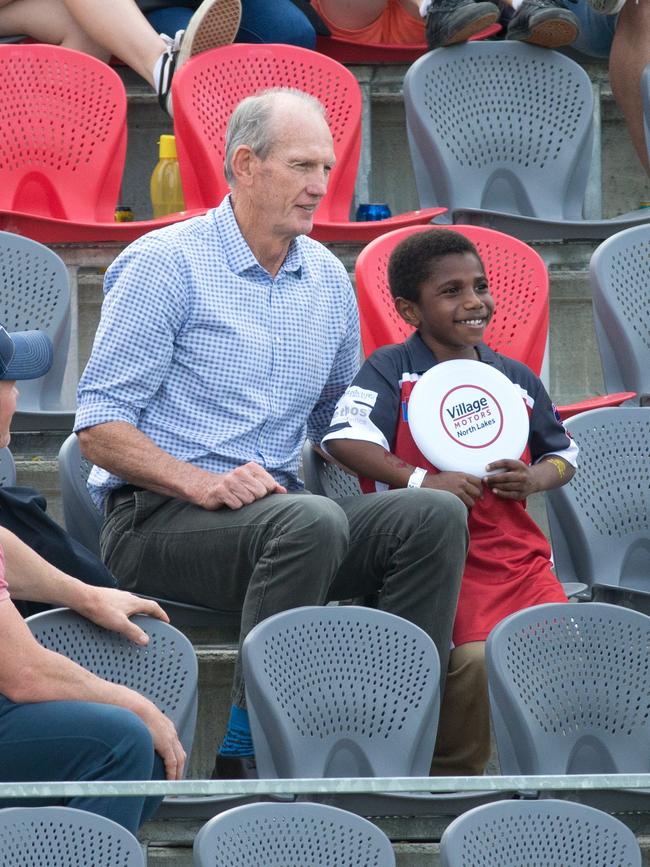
x,y
31,577
31,673
126,452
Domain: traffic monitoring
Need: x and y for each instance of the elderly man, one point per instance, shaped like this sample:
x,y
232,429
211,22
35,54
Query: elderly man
x,y
57,720
223,341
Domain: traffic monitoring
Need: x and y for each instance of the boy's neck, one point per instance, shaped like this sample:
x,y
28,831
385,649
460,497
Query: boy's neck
x,y
448,353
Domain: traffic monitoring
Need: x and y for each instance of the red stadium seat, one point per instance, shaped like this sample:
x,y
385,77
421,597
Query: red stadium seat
x,y
62,147
518,282
207,89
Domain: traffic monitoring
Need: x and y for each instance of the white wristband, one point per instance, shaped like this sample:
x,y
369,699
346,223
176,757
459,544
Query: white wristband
x,y
416,478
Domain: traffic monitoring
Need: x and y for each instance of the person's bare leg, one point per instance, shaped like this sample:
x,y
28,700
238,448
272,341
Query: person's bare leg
x,y
122,29
92,26
629,55
352,14
47,21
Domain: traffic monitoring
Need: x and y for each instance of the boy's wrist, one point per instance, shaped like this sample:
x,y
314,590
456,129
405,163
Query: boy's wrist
x,y
416,478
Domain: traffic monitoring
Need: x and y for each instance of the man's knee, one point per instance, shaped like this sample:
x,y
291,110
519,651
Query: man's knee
x,y
439,510
318,518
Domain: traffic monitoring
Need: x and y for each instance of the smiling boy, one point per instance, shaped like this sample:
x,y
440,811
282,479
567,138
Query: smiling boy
x,y
439,286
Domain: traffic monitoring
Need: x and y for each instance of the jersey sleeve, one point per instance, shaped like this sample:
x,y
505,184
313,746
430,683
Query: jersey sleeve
x,y
368,409
548,436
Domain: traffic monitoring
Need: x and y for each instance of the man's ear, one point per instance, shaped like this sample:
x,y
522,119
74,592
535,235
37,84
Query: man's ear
x,y
408,310
241,164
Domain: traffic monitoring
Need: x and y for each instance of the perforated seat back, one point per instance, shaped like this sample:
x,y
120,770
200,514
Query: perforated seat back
x,y
35,294
7,468
207,89
538,834
600,521
344,691
569,689
326,479
82,518
63,133
165,671
500,125
62,837
518,282
291,835
620,275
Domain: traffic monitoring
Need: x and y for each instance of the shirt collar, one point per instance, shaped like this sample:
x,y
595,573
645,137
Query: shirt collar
x,y
422,356
239,255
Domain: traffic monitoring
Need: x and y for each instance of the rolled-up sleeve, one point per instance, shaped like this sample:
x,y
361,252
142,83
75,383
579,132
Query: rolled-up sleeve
x,y
144,307
346,365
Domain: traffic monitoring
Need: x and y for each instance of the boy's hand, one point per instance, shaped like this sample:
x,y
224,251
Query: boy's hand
x,y
516,482
466,487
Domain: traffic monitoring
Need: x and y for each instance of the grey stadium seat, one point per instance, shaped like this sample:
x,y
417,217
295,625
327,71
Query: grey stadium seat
x,y
538,834
35,294
620,276
291,835
501,133
165,670
324,478
599,523
7,468
64,836
569,695
346,691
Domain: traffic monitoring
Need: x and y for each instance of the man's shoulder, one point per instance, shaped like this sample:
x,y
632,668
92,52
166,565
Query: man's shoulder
x,y
317,257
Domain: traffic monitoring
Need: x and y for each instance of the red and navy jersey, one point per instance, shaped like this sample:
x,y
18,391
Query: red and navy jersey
x,y
508,565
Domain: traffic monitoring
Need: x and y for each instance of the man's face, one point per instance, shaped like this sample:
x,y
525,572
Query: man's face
x,y
289,184
8,397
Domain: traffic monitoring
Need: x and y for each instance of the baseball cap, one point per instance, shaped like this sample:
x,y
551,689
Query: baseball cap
x,y
24,354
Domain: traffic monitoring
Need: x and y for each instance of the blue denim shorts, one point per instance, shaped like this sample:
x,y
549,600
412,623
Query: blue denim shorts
x,y
596,31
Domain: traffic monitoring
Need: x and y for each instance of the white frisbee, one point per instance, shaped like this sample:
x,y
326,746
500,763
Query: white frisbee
x,y
465,414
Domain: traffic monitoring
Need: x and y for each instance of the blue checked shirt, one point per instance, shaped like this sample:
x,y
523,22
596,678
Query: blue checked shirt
x,y
212,358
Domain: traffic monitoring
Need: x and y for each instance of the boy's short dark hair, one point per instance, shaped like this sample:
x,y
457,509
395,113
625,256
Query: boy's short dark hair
x,y
412,261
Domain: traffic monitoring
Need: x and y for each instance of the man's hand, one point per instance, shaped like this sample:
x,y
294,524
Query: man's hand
x,y
237,488
165,741
516,482
112,609
466,487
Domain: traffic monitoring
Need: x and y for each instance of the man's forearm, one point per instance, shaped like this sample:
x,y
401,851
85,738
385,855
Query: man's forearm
x,y
126,452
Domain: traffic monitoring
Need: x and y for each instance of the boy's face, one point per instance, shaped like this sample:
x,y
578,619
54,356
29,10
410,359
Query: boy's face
x,y
454,307
8,396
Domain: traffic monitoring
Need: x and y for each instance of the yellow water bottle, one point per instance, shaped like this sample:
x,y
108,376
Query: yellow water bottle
x,y
166,188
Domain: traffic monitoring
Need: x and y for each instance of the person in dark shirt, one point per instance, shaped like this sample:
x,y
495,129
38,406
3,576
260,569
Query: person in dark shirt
x,y
439,285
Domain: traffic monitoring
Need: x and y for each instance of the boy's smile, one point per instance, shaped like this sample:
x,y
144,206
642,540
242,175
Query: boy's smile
x,y
454,307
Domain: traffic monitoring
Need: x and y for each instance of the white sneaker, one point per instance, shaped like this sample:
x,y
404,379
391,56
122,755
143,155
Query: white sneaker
x,y
214,23
607,7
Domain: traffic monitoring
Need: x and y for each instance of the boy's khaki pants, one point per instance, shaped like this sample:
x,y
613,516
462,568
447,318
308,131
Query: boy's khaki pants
x,y
463,742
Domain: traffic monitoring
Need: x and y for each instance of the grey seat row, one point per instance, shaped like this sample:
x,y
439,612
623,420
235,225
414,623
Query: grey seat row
x,y
542,833
501,133
351,691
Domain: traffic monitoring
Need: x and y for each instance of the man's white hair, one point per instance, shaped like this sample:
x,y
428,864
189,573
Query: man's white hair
x,y
252,121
